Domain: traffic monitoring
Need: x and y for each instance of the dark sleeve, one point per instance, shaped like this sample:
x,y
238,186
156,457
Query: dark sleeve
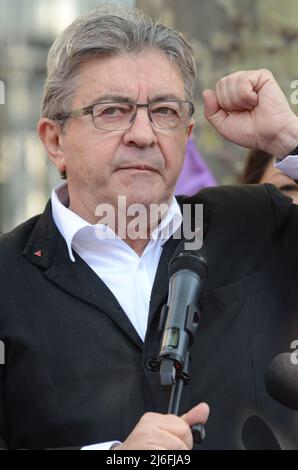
x,y
286,214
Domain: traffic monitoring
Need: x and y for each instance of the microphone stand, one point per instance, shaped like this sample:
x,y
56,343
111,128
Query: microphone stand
x,y
174,369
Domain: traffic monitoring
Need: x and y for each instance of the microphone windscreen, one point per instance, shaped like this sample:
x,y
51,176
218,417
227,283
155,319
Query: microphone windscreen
x,y
281,380
188,259
256,435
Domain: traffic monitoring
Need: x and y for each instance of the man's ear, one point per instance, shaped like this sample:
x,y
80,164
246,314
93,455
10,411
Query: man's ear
x,y
190,128
50,134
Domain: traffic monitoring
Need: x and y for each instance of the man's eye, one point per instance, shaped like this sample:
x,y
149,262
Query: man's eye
x,y
112,111
115,110
165,111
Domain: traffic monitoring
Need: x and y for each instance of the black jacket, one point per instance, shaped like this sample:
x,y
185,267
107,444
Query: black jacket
x,y
75,370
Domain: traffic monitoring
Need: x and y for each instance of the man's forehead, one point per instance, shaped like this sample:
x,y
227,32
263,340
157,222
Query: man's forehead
x,y
129,76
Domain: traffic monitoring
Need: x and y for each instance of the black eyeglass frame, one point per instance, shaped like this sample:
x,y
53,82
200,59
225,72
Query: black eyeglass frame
x,y
89,110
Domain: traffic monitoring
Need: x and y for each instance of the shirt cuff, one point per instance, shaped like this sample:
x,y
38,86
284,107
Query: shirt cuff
x,y
102,446
289,166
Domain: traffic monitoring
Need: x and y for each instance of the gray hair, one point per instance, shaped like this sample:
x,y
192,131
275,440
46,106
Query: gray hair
x,y
108,31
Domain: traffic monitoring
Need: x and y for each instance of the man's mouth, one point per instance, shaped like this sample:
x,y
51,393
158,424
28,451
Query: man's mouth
x,y
138,167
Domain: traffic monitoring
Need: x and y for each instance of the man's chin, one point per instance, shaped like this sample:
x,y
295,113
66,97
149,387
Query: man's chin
x,y
143,199
141,192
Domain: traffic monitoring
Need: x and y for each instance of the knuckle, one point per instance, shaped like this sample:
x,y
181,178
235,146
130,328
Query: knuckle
x,y
266,72
147,417
233,77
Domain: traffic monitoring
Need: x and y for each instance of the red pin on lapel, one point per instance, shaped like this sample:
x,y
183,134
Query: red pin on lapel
x,y
38,253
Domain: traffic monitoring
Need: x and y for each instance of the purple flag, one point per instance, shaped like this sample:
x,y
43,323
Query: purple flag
x,y
195,173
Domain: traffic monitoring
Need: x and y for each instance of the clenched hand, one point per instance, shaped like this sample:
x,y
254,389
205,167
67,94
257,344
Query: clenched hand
x,y
249,109
156,431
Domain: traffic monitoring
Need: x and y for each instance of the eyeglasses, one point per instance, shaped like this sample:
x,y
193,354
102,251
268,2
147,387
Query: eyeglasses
x,y
120,116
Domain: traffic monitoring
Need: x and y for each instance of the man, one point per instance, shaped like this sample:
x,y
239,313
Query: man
x,y
80,305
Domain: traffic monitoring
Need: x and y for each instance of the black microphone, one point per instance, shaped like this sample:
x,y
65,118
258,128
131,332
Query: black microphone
x,y
188,270
179,321
256,435
281,381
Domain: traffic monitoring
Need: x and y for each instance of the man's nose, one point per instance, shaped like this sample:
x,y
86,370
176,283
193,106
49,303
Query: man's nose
x,y
141,133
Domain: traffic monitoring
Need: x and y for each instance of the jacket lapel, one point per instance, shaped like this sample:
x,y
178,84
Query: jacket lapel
x,y
161,282
47,249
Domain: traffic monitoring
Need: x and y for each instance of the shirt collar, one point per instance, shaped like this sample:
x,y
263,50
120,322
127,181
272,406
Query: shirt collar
x,y
70,224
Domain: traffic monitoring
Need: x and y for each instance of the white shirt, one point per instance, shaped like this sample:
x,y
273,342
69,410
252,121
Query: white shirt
x,y
289,166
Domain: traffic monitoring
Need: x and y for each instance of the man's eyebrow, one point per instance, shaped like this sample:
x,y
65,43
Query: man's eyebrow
x,y
127,99
167,97
111,98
